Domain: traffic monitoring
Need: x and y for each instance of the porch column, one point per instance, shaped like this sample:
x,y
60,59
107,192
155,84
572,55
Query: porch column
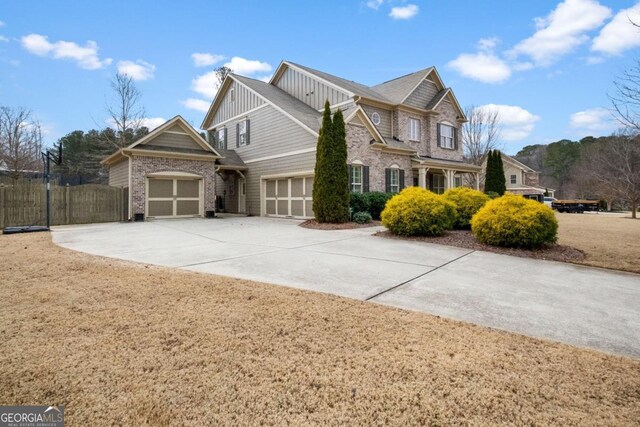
x,y
448,178
422,177
477,174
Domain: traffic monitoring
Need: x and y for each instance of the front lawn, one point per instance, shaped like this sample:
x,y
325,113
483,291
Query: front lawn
x,y
127,344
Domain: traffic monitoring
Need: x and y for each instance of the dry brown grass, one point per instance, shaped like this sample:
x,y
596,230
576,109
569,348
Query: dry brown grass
x,y
125,344
608,240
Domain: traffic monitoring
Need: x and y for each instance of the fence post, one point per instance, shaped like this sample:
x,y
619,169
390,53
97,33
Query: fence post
x,y
67,208
2,206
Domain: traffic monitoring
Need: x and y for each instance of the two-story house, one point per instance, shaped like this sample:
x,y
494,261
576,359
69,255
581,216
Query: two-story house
x,y
262,139
399,133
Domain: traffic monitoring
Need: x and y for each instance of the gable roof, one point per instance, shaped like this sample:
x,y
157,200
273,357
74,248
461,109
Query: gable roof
x,y
352,88
141,144
288,104
516,163
398,89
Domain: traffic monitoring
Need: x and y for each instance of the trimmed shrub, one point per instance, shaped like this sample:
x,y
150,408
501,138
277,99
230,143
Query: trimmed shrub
x,y
492,194
514,221
376,201
358,203
418,212
362,217
467,202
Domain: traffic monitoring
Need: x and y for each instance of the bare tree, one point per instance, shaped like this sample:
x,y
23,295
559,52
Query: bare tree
x,y
613,167
480,134
126,112
20,141
626,99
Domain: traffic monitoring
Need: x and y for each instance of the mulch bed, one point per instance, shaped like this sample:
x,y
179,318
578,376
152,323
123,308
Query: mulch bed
x,y
465,239
312,223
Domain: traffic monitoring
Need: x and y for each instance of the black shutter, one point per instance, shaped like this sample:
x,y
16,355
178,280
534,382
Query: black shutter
x,y
387,180
455,138
224,143
430,182
237,134
365,179
438,134
246,130
401,179
350,176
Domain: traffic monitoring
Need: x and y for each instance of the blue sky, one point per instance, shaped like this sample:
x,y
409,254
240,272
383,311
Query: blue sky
x,y
547,66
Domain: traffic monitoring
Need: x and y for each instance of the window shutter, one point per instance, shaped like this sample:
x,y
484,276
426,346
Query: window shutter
x,y
247,132
350,177
438,134
401,179
430,181
224,143
455,138
365,179
387,180
237,135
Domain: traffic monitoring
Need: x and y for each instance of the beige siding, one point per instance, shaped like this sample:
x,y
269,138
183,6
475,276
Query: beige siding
x,y
421,96
243,100
308,90
119,174
174,140
290,164
385,119
509,170
228,189
270,133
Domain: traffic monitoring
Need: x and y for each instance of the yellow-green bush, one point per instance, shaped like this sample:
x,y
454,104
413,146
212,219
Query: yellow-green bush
x,y
514,221
467,202
418,212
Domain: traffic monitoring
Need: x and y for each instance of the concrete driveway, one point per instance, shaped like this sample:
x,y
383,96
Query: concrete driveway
x,y
578,305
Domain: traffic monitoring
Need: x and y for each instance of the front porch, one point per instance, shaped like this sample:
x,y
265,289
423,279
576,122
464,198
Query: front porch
x,y
439,175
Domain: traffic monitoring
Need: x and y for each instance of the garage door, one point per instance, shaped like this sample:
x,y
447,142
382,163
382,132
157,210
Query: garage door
x,y
173,197
289,197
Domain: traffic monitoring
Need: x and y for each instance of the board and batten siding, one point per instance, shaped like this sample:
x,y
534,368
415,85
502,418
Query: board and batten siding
x,y
270,133
309,90
421,96
119,174
385,119
289,164
243,100
174,140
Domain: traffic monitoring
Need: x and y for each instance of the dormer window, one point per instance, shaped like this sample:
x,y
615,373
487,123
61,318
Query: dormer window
x,y
375,118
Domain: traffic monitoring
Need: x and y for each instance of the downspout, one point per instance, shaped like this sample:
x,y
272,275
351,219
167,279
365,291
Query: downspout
x,y
129,207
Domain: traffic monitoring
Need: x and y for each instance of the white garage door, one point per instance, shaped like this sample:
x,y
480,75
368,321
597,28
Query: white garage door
x,y
173,197
289,197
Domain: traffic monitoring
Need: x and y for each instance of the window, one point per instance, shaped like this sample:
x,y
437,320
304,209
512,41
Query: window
x,y
242,133
514,179
356,179
221,139
446,136
437,183
457,181
375,118
394,178
414,130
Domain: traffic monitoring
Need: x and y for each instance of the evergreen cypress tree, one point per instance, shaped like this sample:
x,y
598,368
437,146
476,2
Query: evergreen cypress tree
x,y
489,173
322,178
340,172
501,180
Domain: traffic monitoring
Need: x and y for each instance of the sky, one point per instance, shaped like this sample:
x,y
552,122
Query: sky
x,y
547,67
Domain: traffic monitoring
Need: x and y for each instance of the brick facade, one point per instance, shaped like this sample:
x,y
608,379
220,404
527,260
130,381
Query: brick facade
x,y
143,166
359,149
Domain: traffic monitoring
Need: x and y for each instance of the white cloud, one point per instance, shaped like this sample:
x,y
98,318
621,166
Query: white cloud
x,y
374,4
206,84
197,104
562,30
150,122
247,67
619,34
516,122
488,44
138,70
592,60
204,59
404,12
4,39
482,66
592,120
85,56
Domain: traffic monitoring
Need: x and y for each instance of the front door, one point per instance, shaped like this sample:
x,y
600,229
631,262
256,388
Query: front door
x,y
242,195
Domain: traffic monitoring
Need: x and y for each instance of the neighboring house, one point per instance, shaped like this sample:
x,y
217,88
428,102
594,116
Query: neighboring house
x,y
399,133
521,179
169,173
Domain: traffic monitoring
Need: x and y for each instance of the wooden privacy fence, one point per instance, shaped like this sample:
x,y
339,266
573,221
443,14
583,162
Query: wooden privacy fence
x,y
25,204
